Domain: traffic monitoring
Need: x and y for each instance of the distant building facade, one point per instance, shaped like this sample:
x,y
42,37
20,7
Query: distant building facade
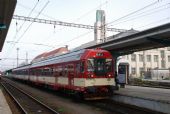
x,y
143,61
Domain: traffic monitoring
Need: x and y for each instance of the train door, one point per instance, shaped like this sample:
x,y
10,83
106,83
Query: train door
x,y
123,73
71,74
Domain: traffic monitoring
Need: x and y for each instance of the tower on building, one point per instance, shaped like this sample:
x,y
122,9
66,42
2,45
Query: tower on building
x,y
100,34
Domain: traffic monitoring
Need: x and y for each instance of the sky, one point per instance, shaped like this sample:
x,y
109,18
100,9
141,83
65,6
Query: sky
x,y
35,38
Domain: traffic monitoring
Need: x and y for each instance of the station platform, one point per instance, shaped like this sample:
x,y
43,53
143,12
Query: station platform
x,y
156,99
4,108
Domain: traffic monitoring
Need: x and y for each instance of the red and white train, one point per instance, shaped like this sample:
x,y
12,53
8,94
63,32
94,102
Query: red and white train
x,y
86,73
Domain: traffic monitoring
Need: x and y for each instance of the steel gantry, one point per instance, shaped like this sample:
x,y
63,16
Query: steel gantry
x,y
45,21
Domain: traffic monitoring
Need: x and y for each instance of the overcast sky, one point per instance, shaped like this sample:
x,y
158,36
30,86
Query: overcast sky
x,y
28,35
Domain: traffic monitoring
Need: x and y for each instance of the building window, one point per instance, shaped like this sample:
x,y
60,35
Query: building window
x,y
162,53
168,58
140,57
133,71
141,70
155,58
162,58
163,63
148,57
133,57
148,69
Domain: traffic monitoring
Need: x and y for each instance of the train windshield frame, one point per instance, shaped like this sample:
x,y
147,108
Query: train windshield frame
x,y
99,66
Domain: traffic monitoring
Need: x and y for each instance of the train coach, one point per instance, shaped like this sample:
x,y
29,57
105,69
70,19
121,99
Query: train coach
x,y
86,73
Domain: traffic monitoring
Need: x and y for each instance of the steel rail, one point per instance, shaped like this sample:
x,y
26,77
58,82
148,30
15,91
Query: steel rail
x,y
27,95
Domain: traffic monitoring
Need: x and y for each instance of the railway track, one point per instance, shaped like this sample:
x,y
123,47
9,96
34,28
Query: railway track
x,y
27,103
114,107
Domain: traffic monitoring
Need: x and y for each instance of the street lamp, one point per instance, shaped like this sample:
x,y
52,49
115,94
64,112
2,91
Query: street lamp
x,y
17,56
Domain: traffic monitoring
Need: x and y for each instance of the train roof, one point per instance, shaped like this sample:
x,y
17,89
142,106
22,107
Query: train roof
x,y
70,56
22,67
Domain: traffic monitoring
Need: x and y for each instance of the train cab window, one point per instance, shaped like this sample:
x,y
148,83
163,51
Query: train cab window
x,y
108,65
100,67
90,65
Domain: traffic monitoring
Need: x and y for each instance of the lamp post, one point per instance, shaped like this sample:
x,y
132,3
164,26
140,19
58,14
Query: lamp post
x,y
17,56
26,58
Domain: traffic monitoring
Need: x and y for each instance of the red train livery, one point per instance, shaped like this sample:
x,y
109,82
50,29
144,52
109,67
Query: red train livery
x,y
86,73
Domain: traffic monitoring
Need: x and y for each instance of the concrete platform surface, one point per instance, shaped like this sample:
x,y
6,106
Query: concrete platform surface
x,y
4,108
157,94
156,99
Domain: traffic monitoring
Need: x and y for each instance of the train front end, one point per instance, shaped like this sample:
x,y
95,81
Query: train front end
x,y
98,75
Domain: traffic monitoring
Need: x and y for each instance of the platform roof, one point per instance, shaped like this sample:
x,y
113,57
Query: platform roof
x,y
7,8
156,37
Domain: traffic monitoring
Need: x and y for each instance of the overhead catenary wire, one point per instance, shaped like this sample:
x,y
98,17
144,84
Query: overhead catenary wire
x,y
38,44
14,59
131,13
18,29
155,22
29,15
142,16
119,19
75,38
30,25
136,11
87,13
51,17
85,34
64,23
33,21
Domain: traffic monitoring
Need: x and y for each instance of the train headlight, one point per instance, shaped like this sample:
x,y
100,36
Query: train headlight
x,y
90,75
109,75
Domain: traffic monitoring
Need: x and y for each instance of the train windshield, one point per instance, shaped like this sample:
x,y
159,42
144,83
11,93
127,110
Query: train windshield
x,y
99,66
90,65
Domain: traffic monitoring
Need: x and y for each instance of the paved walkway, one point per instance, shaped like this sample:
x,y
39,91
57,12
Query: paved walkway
x,y
156,94
156,99
4,108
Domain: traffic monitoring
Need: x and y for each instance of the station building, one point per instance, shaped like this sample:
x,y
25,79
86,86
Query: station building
x,y
145,61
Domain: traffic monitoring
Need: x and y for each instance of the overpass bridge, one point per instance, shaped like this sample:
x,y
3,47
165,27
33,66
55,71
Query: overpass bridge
x,y
156,37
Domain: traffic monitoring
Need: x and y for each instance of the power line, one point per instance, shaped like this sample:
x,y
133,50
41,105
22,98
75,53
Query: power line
x,y
145,13
17,30
132,13
31,23
30,43
82,16
13,59
28,15
158,21
149,13
77,37
88,12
